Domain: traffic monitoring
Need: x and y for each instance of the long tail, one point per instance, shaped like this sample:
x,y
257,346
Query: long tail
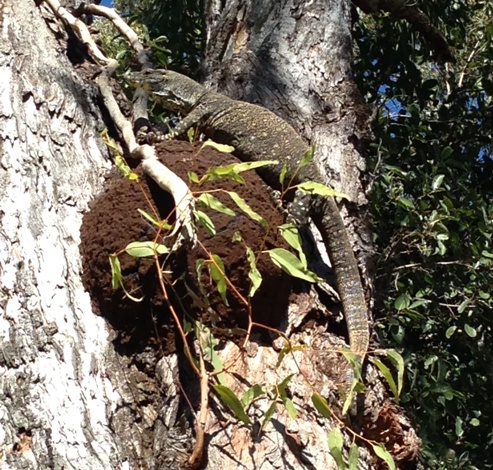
x,y
347,276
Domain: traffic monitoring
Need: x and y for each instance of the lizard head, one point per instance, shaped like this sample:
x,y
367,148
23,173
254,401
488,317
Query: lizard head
x,y
172,90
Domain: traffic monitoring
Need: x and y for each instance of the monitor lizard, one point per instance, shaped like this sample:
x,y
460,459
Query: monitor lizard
x,y
258,134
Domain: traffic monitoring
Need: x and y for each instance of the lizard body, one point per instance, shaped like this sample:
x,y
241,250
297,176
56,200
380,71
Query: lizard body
x,y
258,134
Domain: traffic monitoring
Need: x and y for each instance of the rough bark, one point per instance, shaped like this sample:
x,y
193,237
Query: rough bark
x,y
295,58
62,387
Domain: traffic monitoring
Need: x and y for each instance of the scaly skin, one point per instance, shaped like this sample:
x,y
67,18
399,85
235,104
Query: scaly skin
x,y
258,134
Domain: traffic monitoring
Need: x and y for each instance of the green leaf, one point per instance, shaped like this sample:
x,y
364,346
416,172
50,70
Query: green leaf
x,y
388,377
290,408
463,305
459,431
321,405
199,267
251,394
286,349
116,272
383,453
484,295
437,182
217,273
212,202
162,224
233,170
354,361
402,302
117,278
223,172
405,203
446,152
398,361
241,203
419,303
292,236
282,354
205,221
353,457
396,170
470,331
311,187
143,249
247,166
124,169
254,274
290,264
450,331
281,387
209,342
308,157
430,360
487,254
111,143
193,177
221,147
283,174
268,414
191,134
356,386
335,447
232,402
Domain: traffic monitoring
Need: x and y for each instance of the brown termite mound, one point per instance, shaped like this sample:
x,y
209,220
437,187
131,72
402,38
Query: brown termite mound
x,y
114,221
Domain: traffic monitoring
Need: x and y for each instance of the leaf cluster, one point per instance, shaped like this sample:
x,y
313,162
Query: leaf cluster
x,y
173,30
433,214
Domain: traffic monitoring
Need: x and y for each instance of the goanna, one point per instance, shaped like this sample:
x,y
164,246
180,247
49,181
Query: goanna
x,y
258,134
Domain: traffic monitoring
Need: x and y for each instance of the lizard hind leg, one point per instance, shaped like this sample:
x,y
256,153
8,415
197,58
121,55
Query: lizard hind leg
x,y
300,209
147,133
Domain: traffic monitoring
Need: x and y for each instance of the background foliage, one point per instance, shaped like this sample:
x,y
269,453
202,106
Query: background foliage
x,y
433,204
173,30
433,212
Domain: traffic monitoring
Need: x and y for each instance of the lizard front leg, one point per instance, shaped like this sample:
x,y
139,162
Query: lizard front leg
x,y
195,118
145,133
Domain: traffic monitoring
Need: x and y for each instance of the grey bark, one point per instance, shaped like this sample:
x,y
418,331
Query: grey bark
x,y
63,393
294,58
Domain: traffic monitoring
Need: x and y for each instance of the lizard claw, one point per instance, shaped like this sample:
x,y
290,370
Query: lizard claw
x,y
184,232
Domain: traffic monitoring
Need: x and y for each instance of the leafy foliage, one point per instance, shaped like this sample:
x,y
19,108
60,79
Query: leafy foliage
x,y
172,29
433,212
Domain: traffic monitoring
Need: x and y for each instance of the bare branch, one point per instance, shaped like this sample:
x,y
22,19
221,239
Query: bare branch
x,y
79,28
123,28
165,178
139,104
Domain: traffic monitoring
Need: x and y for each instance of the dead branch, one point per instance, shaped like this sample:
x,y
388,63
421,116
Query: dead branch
x,y
165,178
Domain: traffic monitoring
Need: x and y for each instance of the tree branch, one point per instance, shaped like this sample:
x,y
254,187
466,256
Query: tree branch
x,y
402,9
165,178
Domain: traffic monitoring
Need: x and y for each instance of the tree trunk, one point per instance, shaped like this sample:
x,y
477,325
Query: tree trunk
x,y
71,394
295,58
64,402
